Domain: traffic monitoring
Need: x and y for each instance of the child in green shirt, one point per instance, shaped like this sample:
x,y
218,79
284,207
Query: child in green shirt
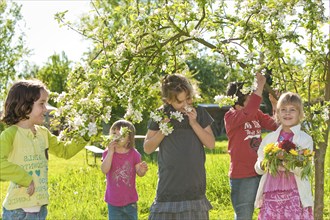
x,y
24,148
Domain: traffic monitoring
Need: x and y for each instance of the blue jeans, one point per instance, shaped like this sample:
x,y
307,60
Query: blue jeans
x,y
19,214
128,212
243,194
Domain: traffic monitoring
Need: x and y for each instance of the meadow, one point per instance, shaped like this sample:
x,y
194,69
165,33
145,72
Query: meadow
x,y
77,189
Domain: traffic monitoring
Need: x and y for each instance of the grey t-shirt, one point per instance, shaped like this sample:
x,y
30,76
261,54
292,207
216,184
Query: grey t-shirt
x,y
181,159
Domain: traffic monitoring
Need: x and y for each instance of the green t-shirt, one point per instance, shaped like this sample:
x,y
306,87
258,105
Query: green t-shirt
x,y
24,157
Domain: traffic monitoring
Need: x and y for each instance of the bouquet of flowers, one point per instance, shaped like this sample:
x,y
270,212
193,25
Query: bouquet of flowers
x,y
164,121
289,156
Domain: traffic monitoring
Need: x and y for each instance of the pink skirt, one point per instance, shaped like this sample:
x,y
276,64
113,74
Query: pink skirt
x,y
281,199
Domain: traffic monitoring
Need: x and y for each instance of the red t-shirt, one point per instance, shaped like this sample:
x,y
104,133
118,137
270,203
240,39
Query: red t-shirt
x,y
243,128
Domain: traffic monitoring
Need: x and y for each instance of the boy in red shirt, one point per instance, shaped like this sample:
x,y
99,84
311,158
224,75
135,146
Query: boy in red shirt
x,y
243,123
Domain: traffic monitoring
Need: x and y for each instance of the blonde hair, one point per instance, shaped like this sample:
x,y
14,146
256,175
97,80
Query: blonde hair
x,y
290,98
131,134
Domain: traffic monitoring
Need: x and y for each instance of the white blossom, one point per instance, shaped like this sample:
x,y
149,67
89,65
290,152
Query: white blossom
x,y
176,115
60,97
97,102
84,101
245,90
223,100
92,129
85,85
188,108
77,122
137,116
164,67
61,135
129,111
82,132
120,49
155,12
250,56
195,33
155,117
218,98
254,85
169,4
165,128
325,114
107,115
58,112
264,9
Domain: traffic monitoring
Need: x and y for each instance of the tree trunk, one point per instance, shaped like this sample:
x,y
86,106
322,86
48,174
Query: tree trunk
x,y
319,181
320,155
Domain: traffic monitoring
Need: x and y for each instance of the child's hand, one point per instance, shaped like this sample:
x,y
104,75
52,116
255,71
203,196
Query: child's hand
x,y
281,168
272,99
112,146
30,189
261,80
165,120
141,168
192,116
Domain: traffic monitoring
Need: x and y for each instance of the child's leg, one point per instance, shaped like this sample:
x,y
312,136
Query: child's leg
x,y
18,214
243,193
13,214
116,213
131,211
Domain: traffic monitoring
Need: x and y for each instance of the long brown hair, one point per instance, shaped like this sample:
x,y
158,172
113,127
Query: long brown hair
x,y
20,99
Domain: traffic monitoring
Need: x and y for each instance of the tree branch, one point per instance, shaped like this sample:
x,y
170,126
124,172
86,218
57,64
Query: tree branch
x,y
202,18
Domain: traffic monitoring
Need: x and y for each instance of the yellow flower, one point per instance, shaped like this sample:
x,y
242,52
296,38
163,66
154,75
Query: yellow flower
x,y
269,147
307,152
276,149
293,152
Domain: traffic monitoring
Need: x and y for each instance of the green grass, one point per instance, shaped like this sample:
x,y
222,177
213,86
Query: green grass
x,y
77,189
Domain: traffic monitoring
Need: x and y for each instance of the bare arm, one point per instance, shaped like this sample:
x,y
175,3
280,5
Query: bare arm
x,y
141,168
107,161
261,80
152,141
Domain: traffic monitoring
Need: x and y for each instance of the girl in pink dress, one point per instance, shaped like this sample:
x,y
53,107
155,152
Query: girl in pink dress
x,y
285,195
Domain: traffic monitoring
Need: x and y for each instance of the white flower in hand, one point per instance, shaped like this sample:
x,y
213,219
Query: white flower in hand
x,y
156,117
166,128
177,116
188,109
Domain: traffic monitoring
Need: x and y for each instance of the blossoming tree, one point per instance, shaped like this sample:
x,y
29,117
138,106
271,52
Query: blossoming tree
x,y
137,42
